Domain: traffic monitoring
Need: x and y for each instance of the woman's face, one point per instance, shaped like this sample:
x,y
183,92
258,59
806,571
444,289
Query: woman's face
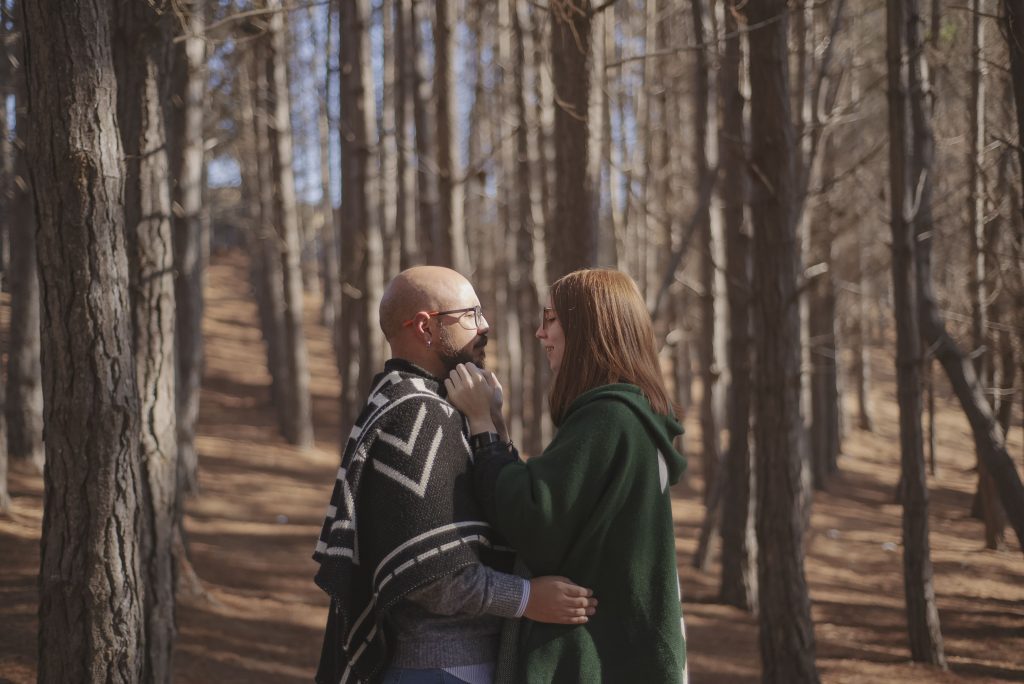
x,y
551,336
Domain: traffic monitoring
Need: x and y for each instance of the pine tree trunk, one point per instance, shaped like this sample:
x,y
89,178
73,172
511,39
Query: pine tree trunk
x,y
709,423
140,41
739,544
266,253
24,407
361,249
922,616
825,401
571,242
387,185
91,590
405,215
426,182
1013,22
450,238
298,420
328,230
988,437
787,633
861,337
191,244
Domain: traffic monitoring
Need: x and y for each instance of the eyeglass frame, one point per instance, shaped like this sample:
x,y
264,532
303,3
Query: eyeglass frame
x,y
478,316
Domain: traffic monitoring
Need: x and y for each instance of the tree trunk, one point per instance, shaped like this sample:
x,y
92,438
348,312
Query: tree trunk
x,y
405,214
24,407
91,618
426,181
825,402
787,633
988,437
739,544
5,496
298,421
922,616
265,252
450,238
328,230
1013,21
709,423
571,242
862,336
140,41
361,250
976,191
191,245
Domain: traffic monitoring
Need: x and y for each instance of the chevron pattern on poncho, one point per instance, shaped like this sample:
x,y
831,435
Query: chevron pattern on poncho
x,y
401,514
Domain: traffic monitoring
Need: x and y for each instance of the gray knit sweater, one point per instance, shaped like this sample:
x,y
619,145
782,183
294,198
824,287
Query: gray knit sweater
x,y
455,620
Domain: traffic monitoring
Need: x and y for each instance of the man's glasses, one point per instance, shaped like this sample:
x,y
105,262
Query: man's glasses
x,y
474,322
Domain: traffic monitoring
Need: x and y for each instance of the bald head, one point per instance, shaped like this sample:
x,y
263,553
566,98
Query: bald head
x,y
422,288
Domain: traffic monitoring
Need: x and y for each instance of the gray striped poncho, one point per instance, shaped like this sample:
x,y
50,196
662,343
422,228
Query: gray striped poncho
x,y
401,515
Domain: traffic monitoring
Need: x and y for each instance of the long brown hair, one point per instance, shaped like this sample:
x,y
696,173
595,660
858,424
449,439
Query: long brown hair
x,y
609,338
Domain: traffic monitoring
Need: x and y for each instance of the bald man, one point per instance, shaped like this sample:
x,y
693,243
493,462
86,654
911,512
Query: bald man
x,y
418,580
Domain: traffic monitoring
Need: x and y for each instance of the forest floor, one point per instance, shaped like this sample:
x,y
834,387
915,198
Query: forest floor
x,y
253,527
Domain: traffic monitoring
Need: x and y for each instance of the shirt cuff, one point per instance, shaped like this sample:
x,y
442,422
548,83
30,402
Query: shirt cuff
x,y
525,599
509,594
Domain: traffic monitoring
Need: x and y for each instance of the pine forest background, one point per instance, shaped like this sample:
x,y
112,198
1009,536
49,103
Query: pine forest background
x,y
821,200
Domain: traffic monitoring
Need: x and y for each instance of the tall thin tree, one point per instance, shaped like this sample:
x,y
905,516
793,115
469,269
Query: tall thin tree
x,y
922,614
571,237
191,245
24,408
786,630
739,545
91,588
140,41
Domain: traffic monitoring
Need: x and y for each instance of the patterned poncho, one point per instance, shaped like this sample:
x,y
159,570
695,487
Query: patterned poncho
x,y
401,515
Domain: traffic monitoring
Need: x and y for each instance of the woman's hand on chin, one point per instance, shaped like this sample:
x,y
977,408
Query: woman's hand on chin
x,y
470,390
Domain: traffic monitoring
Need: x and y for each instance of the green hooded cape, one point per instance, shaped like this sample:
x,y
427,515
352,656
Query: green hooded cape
x,y
595,507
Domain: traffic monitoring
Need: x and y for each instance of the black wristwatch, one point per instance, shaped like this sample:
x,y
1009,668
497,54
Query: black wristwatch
x,y
482,439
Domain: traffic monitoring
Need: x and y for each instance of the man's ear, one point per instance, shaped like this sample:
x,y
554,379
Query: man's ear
x,y
420,323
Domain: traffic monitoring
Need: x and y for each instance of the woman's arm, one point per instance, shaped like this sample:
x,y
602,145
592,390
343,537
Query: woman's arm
x,y
541,504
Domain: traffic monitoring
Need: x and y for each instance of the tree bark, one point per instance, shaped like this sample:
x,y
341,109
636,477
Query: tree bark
x,y
925,638
787,633
328,228
450,238
572,242
191,244
91,590
1013,30
976,191
825,405
298,421
426,179
862,336
361,273
140,41
405,214
24,408
266,251
739,544
989,438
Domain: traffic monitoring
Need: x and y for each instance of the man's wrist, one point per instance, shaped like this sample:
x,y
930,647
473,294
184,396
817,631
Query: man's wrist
x,y
479,440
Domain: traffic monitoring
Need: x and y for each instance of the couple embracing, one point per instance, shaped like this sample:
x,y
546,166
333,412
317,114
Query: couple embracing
x,y
432,506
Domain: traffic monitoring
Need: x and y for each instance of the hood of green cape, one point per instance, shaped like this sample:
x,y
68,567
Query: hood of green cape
x,y
662,429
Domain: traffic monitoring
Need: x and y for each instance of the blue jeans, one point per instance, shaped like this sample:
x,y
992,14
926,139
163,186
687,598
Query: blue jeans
x,y
408,675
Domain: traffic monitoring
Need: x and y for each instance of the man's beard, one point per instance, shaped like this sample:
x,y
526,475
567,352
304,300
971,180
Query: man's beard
x,y
471,353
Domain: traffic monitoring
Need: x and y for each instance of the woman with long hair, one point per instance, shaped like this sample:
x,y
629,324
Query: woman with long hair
x,y
595,505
